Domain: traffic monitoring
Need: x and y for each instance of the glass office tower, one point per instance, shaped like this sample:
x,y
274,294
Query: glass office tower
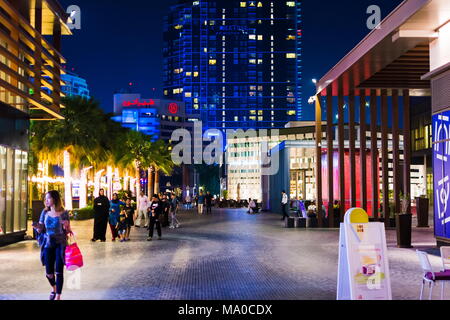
x,y
235,63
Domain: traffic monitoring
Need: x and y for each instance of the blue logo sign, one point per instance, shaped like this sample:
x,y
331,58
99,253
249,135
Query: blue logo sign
x,y
441,171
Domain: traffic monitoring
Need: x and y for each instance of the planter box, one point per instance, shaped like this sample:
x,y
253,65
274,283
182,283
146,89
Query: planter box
x,y
422,205
404,230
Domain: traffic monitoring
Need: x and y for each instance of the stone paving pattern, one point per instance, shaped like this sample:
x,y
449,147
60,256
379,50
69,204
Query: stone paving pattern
x,y
229,255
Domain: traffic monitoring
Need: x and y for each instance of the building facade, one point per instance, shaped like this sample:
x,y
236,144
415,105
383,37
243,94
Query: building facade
x,y
235,63
294,149
155,117
30,89
75,85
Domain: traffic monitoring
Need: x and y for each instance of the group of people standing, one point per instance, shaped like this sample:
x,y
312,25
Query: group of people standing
x,y
122,216
204,200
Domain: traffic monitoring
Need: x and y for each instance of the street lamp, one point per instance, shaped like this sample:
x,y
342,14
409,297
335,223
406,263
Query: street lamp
x,y
314,81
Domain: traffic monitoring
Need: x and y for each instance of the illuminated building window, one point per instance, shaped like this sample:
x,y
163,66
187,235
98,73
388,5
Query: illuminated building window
x,y
290,3
205,49
291,113
253,88
196,106
252,118
260,113
188,94
178,27
212,62
260,61
252,4
196,3
236,118
212,22
195,74
260,4
166,92
243,4
188,74
252,36
291,55
260,119
252,61
259,21
260,88
290,37
253,112
196,100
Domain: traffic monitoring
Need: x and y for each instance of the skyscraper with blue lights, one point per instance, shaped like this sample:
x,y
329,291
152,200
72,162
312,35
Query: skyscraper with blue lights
x,y
235,63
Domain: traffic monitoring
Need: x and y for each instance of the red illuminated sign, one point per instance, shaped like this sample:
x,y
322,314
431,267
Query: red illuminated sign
x,y
173,108
138,103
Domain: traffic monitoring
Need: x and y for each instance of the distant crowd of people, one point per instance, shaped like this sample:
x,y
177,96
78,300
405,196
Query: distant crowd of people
x,y
121,215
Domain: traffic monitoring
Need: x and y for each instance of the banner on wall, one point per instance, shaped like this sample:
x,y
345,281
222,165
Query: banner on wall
x,y
441,172
363,272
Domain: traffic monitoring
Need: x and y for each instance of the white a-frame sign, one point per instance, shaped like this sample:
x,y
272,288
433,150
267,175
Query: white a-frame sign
x,y
363,263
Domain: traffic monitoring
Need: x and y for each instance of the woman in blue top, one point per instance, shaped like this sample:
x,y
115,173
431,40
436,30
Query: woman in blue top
x,y
53,227
114,215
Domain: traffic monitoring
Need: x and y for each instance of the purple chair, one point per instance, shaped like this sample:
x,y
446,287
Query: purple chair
x,y
430,276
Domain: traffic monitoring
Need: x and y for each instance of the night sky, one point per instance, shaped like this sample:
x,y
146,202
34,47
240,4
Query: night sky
x,y
121,42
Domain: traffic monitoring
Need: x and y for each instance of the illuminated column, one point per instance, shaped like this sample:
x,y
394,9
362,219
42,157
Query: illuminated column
x,y
109,176
67,182
83,186
97,178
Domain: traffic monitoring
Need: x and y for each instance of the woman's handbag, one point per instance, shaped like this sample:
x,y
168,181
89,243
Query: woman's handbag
x,y
74,259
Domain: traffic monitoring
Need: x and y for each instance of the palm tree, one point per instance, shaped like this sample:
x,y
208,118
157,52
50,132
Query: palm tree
x,y
74,140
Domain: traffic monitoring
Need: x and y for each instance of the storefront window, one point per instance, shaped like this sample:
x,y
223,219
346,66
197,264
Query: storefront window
x,y
17,187
2,189
9,190
13,190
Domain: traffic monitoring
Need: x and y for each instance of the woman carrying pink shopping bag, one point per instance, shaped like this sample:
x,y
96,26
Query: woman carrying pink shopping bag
x,y
74,259
53,228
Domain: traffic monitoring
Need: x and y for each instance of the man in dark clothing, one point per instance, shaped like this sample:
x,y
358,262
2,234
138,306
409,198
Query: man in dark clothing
x,y
155,210
208,200
101,208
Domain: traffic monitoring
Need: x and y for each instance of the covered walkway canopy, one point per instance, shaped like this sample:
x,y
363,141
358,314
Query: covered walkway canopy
x,y
401,58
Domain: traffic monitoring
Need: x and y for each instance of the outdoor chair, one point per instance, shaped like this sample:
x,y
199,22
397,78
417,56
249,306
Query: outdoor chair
x,y
445,256
430,276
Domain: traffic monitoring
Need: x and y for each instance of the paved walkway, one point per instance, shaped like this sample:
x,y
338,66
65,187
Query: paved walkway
x,y
229,255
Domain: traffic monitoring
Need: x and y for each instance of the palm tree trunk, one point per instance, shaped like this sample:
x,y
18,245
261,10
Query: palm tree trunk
x,y
150,182
67,182
156,181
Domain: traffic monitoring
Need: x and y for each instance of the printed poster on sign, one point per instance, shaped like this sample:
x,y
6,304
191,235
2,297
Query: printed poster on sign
x,y
441,171
363,265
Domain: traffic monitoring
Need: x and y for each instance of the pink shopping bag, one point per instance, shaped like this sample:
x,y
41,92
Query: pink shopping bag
x,y
74,259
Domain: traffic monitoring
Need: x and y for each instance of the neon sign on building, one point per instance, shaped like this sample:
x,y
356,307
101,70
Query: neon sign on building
x,y
139,103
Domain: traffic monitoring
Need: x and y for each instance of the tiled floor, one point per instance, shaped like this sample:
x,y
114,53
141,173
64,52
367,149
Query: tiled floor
x,y
229,255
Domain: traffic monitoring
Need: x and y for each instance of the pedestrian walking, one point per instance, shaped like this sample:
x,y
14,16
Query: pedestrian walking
x,y
188,202
208,201
101,208
201,202
129,210
53,228
121,225
174,203
142,211
164,219
154,212
114,214
284,203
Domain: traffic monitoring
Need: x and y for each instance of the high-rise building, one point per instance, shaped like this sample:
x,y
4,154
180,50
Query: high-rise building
x,y
75,85
30,89
236,63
